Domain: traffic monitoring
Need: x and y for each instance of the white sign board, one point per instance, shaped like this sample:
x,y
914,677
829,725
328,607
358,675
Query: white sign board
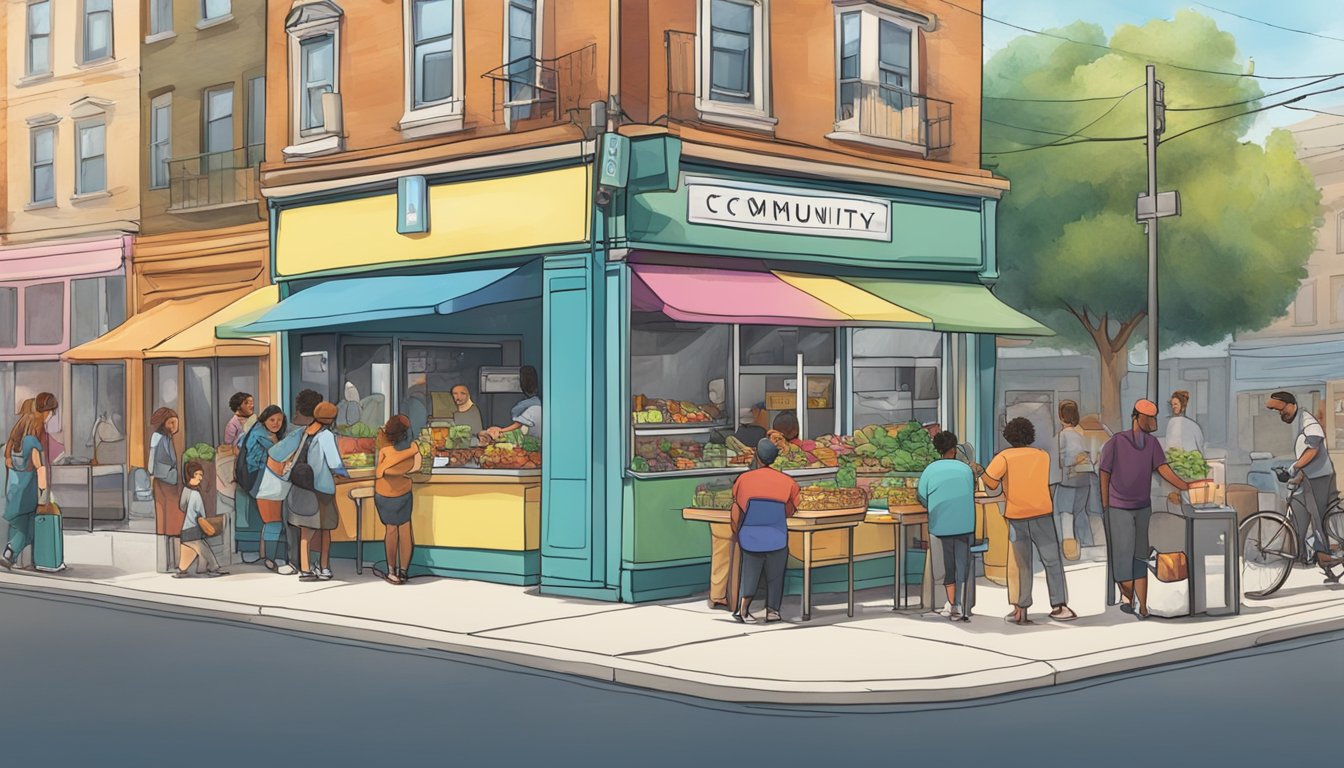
x,y
786,210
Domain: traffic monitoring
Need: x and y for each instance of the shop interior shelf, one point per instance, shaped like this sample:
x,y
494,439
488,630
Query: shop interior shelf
x,y
679,429
811,472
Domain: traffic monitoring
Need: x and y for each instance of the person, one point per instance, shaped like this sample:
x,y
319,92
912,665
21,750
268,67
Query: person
x,y
1024,472
392,494
1314,469
1183,432
313,512
1128,461
27,477
242,404
786,424
194,545
947,491
526,414
255,443
165,486
1077,493
749,431
349,412
273,490
304,404
467,412
51,447
763,500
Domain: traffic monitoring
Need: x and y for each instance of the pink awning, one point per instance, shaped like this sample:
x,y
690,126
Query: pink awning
x,y
63,258
697,295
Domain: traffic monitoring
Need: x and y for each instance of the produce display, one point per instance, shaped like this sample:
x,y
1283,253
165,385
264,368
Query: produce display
x,y
821,497
358,460
462,457
1188,465
358,429
714,495
508,455
894,492
202,452
665,454
880,449
649,411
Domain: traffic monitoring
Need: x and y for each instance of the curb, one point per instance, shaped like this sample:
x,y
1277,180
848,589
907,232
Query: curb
x,y
1029,675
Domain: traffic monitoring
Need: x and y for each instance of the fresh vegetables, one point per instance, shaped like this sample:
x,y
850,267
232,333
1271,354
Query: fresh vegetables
x,y
358,429
459,436
653,411
907,448
506,455
1188,465
358,460
202,452
819,497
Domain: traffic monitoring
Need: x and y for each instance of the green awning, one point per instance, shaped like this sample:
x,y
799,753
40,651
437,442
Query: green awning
x,y
954,307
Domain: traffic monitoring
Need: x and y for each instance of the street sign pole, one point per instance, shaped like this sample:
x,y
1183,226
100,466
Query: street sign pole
x,y
1154,347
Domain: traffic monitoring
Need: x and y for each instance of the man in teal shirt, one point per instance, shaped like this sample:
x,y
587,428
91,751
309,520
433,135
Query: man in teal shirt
x,y
947,490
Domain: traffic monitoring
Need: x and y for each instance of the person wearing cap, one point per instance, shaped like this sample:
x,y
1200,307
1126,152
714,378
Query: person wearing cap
x,y
1312,468
1128,461
763,500
314,512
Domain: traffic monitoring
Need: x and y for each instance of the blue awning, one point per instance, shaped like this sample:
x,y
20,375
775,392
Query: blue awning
x,y
363,299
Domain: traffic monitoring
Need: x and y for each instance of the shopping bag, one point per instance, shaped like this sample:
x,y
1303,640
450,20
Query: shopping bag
x,y
211,525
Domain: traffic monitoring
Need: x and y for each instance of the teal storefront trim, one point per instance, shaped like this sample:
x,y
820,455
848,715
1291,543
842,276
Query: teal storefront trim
x,y
493,565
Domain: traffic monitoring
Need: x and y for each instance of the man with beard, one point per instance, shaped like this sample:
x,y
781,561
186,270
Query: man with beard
x,y
1312,468
1128,462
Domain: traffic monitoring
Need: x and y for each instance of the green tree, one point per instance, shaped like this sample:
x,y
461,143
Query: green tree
x,y
1072,252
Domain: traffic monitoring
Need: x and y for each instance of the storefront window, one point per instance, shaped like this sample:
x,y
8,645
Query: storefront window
x,y
100,420
9,318
199,419
768,345
44,314
315,360
769,374
97,305
680,372
9,408
366,384
236,374
897,376
166,393
431,371
31,379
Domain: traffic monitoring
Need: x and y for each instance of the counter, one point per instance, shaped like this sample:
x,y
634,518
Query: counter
x,y
467,523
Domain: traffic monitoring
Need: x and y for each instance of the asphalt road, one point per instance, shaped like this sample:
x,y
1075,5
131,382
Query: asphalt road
x,y
85,683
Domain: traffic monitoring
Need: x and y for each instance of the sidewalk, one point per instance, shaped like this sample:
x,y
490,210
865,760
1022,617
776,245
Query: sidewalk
x,y
681,646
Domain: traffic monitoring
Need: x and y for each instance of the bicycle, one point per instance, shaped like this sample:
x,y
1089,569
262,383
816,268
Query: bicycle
x,y
1270,545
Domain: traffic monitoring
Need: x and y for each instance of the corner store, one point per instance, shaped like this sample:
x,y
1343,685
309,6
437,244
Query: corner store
x,y
911,251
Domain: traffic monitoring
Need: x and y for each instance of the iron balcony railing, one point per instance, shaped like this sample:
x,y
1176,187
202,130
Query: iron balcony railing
x,y
869,109
895,114
555,90
215,179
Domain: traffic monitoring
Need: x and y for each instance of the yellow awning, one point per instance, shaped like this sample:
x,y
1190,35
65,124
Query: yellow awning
x,y
855,302
155,332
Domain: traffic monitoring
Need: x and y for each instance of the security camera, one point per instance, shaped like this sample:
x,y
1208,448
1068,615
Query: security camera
x,y
603,196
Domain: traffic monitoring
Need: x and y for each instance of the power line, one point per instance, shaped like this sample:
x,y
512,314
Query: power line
x,y
1251,100
1270,23
1318,127
1317,111
1078,133
1056,101
1142,56
1252,112
1329,150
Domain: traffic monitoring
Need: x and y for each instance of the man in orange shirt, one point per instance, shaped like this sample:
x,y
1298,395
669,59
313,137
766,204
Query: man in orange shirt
x,y
1025,474
763,500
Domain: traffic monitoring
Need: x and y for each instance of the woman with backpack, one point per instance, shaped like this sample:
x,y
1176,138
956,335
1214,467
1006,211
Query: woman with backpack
x,y
27,464
250,466
312,494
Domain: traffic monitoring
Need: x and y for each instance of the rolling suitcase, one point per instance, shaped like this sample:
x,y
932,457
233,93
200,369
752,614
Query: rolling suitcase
x,y
48,543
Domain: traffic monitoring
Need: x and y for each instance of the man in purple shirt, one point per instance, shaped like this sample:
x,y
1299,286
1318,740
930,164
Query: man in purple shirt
x,y
1128,462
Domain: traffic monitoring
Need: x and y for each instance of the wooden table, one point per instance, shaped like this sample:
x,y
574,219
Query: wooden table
x,y
899,518
806,522
359,495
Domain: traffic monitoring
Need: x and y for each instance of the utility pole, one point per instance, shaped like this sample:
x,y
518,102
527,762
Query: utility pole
x,y
1151,207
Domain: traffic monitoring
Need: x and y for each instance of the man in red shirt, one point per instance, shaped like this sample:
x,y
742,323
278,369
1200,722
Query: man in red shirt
x,y
763,500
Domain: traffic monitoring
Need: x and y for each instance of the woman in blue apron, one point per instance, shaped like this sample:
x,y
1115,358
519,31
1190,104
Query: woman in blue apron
x,y
27,476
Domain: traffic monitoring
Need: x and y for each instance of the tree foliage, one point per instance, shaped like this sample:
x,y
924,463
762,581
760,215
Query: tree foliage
x,y
1070,248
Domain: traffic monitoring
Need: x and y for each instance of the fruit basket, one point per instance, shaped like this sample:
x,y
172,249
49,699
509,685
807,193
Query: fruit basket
x,y
822,497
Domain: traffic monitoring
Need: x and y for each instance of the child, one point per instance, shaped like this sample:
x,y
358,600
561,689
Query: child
x,y
193,539
947,490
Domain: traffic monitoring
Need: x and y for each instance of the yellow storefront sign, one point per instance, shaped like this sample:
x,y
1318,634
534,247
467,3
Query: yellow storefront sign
x,y
471,217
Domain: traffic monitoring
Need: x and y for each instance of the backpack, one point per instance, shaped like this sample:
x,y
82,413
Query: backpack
x,y
243,475
301,474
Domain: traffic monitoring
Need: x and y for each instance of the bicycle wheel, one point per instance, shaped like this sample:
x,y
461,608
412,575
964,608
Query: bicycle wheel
x,y
1268,551
1334,529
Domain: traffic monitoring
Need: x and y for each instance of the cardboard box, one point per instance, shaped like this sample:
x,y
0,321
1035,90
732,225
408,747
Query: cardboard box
x,y
781,401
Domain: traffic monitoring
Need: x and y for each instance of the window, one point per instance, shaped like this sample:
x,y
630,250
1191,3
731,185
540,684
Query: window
x,y
877,75
897,376
31,379
733,62
160,17
1304,309
43,152
217,112
215,9
160,139
521,56
90,157
432,35
97,305
97,30
44,314
367,367
1337,299
236,374
39,38
1339,233
9,319
317,77
314,30
256,119
102,386
198,412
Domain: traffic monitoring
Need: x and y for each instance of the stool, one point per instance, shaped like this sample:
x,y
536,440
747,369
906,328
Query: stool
x,y
359,496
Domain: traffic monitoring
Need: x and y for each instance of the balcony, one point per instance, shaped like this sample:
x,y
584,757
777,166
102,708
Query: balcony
x,y
547,90
892,117
214,180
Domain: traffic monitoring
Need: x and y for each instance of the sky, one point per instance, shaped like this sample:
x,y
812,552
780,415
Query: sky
x,y
1276,52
